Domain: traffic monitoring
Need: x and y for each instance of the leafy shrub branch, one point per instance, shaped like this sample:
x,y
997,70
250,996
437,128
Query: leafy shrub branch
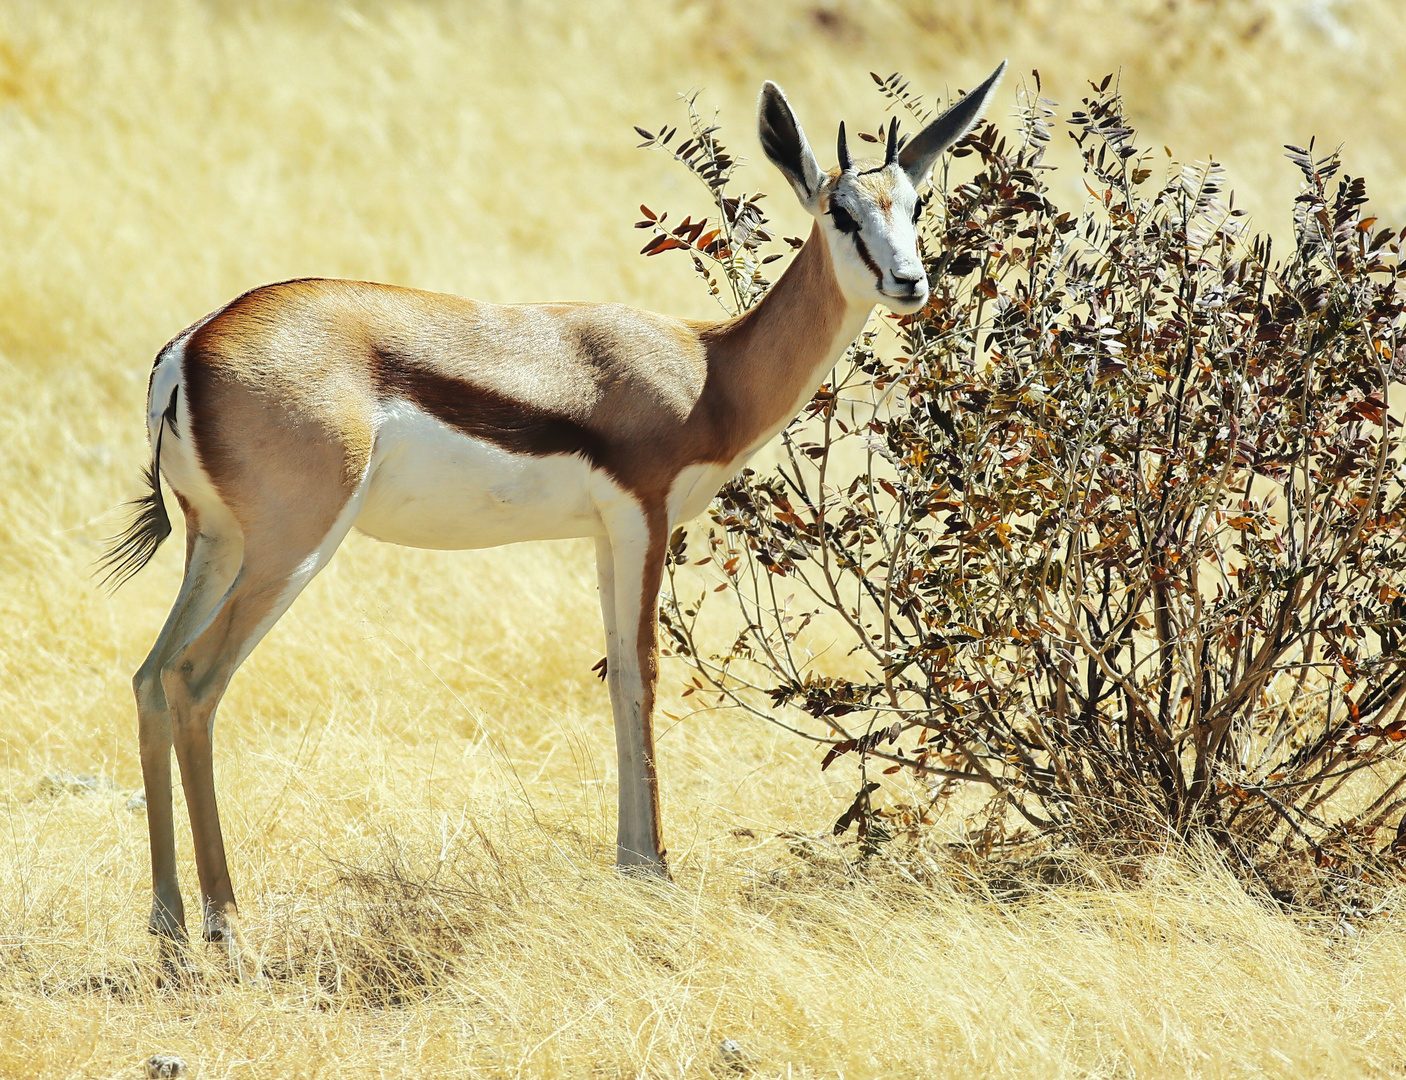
x,y
1112,529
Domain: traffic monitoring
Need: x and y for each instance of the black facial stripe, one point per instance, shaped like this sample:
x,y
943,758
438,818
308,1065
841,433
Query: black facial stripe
x,y
869,261
844,220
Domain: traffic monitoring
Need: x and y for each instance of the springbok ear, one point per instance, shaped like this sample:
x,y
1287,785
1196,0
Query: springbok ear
x,y
921,152
785,144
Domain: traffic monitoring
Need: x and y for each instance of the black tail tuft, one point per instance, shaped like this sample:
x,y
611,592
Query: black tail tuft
x,y
133,548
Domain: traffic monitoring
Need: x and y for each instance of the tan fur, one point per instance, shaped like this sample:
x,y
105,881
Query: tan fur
x,y
877,183
283,373
285,388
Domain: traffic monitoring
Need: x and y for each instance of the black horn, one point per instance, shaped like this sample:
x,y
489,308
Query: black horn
x,y
892,154
842,149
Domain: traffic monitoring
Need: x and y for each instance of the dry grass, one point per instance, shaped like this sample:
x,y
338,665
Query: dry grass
x,y
416,767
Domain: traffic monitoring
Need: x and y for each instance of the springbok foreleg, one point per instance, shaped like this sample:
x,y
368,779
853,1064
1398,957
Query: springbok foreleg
x,y
629,600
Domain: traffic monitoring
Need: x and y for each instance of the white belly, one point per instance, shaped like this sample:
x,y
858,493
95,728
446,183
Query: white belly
x,y
432,487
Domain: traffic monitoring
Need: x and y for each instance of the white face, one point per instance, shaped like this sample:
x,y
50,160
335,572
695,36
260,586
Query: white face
x,y
869,217
866,210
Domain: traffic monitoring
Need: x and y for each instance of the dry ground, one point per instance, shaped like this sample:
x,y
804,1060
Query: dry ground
x,y
416,766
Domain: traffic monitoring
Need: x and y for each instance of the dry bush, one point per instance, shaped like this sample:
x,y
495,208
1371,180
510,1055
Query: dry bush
x,y
1115,532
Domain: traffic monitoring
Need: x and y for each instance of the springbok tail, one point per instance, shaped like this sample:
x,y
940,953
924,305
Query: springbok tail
x,y
133,548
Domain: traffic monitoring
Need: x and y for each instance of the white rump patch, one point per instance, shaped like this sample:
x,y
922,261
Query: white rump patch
x,y
180,464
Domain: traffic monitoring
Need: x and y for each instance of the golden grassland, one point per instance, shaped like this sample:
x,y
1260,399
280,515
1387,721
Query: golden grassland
x,y
416,767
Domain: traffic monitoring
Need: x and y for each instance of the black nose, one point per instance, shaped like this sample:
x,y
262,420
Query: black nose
x,y
909,283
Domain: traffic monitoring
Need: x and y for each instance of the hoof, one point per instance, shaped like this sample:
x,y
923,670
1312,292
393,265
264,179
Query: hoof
x,y
631,864
171,942
218,925
167,922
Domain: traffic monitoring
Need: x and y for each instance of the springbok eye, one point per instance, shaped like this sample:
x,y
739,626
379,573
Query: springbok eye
x,y
843,221
918,210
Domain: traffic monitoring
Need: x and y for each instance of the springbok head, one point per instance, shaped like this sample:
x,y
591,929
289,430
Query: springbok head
x,y
868,210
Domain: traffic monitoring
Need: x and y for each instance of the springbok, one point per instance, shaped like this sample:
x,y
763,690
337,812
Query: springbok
x,y
304,408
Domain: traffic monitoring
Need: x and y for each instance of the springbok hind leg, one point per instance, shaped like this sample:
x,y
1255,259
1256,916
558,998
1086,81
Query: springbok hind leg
x,y
635,551
194,677
211,563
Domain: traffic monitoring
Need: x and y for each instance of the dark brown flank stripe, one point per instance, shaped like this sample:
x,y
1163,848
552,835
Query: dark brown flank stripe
x,y
512,425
